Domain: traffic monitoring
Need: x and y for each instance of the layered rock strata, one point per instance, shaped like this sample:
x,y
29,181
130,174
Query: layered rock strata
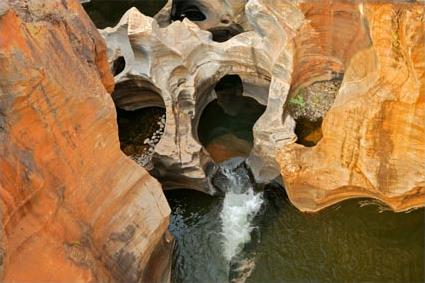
x,y
369,56
73,207
373,136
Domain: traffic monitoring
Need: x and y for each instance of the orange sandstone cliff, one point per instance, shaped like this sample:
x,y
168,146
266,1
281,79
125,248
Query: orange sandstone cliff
x,y
373,142
73,207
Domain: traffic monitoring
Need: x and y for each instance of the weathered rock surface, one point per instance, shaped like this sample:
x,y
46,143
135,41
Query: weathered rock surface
x,y
373,137
73,207
180,64
228,146
369,144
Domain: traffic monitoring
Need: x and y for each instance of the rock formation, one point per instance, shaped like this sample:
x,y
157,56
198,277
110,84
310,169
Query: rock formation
x,y
373,136
358,67
73,207
178,65
348,75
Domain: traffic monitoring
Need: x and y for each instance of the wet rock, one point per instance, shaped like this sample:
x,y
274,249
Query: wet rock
x,y
125,235
228,146
223,178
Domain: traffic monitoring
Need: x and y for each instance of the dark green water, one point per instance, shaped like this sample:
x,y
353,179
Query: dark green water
x,y
344,243
107,13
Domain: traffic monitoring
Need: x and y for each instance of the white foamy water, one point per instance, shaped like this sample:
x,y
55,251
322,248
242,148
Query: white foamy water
x,y
240,206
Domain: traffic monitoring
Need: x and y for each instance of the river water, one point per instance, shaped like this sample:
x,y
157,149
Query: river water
x,y
347,242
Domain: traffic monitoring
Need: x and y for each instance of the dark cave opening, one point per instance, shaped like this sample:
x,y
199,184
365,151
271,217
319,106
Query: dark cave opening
x,y
118,66
309,133
186,9
309,104
141,119
191,10
222,34
226,124
140,131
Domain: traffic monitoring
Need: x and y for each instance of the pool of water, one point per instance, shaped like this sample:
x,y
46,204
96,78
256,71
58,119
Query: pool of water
x,y
344,243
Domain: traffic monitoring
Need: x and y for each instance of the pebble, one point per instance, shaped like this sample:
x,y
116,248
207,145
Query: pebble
x,y
144,157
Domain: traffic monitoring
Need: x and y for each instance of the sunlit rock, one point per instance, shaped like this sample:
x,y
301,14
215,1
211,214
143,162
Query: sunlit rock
x,y
335,110
184,63
73,207
373,136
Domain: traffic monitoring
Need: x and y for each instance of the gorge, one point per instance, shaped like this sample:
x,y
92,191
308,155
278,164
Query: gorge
x,y
212,141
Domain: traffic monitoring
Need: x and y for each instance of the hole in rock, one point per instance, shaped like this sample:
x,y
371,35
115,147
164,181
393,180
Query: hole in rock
x,y
107,13
118,66
308,133
141,119
308,105
186,9
189,9
140,131
226,123
222,34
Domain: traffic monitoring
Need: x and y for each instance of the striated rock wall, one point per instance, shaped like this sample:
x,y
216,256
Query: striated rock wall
x,y
73,207
373,137
367,55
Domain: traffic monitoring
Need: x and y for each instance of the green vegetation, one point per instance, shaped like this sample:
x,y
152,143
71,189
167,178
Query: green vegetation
x,y
297,100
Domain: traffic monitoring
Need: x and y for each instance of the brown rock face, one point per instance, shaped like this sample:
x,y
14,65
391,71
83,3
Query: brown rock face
x,y
373,136
228,146
73,207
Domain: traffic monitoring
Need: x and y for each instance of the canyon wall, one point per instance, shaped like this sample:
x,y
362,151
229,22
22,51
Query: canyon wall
x,y
73,207
373,141
342,82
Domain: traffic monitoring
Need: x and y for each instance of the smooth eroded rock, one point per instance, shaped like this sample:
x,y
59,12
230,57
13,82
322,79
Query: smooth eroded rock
x,y
73,207
373,136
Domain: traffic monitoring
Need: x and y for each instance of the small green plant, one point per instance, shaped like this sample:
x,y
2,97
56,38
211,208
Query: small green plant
x,y
297,100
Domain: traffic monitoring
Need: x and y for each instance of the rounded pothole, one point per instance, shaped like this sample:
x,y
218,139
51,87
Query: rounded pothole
x,y
225,128
187,9
141,119
224,33
220,26
139,132
308,106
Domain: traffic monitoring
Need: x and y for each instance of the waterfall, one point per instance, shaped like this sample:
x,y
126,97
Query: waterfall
x,y
241,204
